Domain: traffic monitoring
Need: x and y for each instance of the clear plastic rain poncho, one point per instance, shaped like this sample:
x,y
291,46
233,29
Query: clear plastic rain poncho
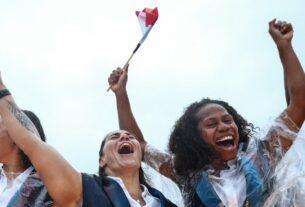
x,y
260,175
32,193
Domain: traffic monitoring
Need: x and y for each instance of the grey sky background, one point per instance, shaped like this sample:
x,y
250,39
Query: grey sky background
x,y
56,56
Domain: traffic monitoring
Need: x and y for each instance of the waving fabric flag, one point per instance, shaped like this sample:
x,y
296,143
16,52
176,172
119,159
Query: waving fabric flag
x,y
147,19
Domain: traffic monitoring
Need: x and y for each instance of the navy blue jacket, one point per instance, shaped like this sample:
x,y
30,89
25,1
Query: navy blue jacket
x,y
105,192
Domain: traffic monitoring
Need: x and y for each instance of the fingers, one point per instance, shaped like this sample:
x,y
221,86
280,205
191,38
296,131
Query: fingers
x,y
286,28
280,30
114,76
283,26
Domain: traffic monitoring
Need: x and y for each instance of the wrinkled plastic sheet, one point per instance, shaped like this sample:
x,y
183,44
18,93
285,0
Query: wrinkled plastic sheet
x,y
165,185
289,177
282,168
32,193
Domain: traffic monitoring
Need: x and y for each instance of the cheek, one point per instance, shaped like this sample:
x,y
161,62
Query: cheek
x,y
107,152
139,150
236,129
206,136
109,145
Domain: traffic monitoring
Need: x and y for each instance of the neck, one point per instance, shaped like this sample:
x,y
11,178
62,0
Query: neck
x,y
13,171
134,188
132,183
219,164
13,166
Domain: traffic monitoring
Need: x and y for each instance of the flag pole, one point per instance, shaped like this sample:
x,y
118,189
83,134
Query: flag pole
x,y
153,16
134,51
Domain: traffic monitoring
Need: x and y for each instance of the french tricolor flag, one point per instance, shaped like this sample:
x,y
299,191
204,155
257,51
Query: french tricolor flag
x,y
147,19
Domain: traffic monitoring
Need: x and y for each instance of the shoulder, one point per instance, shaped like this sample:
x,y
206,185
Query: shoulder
x,y
90,180
164,201
93,193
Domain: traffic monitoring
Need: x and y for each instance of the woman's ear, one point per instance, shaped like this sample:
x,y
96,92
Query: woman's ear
x,y
102,162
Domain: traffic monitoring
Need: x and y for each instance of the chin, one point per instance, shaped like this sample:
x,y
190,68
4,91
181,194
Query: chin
x,y
131,164
229,156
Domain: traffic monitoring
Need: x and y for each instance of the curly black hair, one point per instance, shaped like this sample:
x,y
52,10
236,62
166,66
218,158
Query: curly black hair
x,y
191,152
101,170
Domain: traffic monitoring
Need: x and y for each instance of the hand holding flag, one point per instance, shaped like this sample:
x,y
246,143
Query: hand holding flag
x,y
118,79
147,18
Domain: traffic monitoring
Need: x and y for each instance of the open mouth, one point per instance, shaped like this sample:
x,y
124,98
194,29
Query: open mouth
x,y
227,141
125,148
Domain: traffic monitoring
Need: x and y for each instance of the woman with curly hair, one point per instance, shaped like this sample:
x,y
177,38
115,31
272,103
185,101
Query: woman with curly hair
x,y
214,157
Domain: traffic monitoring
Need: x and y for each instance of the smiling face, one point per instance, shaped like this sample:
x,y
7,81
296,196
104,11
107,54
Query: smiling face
x,y
121,152
218,129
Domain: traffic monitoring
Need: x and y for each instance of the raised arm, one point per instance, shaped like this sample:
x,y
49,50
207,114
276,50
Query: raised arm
x,y
294,77
61,180
118,80
157,159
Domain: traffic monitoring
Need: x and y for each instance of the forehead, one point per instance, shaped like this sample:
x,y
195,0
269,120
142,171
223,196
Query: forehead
x,y
211,110
117,133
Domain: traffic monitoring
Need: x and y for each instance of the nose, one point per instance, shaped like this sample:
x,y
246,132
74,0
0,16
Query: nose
x,y
124,136
223,127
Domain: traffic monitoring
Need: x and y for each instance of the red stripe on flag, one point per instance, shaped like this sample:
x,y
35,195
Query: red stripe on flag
x,y
151,16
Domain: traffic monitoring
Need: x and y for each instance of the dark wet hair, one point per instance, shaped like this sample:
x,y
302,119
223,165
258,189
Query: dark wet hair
x,y
35,120
101,170
191,152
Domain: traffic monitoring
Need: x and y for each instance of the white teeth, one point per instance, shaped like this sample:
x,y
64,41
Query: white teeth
x,y
225,139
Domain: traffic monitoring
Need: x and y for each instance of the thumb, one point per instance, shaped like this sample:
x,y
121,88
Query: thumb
x,y
272,22
125,68
272,25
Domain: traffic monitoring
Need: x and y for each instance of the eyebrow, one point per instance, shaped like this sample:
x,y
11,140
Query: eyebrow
x,y
119,133
209,119
228,115
115,134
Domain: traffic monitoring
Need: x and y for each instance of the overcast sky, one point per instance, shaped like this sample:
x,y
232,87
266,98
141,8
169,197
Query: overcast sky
x,y
56,56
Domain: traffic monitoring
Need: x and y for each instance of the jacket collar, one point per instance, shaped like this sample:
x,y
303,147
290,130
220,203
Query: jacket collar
x,y
114,191
209,197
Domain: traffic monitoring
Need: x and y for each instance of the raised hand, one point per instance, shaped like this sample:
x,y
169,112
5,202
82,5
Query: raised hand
x,y
281,32
118,79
